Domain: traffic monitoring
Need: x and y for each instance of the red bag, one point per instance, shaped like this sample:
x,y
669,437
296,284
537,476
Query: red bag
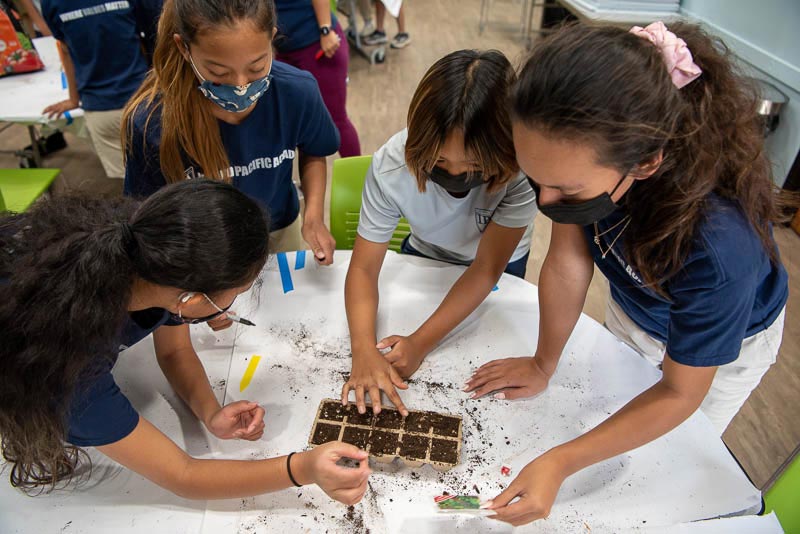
x,y
17,54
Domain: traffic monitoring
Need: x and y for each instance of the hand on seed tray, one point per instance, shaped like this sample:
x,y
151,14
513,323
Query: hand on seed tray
x,y
370,374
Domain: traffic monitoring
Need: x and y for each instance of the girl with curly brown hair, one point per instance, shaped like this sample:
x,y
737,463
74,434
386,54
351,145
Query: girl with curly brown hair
x,y
647,154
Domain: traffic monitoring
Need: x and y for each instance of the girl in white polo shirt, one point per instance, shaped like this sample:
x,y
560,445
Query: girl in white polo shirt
x,y
453,175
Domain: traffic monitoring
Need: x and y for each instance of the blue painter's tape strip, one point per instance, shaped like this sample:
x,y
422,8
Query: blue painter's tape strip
x,y
300,260
495,288
68,117
63,80
286,275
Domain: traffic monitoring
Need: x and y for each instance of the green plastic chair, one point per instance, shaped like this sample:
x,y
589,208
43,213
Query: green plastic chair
x,y
784,497
346,185
20,188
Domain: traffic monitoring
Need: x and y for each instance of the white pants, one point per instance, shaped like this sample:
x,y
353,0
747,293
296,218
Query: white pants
x,y
733,381
288,239
104,129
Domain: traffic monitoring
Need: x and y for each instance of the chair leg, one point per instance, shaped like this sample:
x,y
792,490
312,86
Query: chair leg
x,y
484,18
530,23
527,5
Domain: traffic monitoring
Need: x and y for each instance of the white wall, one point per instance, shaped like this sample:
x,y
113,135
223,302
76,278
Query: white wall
x,y
766,35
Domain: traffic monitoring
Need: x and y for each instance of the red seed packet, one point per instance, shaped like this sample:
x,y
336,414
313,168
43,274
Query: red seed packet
x,y
17,53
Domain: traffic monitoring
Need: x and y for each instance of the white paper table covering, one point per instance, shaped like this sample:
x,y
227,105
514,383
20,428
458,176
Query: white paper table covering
x,y
303,343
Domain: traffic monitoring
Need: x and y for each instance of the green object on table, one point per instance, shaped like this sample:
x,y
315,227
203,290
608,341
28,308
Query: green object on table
x,y
459,502
346,185
19,188
784,497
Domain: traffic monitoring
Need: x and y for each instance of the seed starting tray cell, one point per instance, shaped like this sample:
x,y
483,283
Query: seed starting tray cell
x,y
421,438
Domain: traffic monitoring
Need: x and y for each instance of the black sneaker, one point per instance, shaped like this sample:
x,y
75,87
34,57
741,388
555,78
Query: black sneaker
x,y
401,40
375,38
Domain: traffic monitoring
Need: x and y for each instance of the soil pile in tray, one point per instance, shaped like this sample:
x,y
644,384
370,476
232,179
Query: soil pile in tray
x,y
421,438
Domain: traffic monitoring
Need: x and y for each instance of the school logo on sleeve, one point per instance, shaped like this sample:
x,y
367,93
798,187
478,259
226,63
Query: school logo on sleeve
x,y
482,218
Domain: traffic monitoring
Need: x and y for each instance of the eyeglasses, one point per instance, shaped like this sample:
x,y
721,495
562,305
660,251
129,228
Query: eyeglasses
x,y
186,320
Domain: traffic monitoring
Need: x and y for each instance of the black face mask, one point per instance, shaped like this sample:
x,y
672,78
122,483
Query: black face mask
x,y
456,183
581,213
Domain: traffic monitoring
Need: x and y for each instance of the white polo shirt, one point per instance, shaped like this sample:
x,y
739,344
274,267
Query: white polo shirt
x,y
442,226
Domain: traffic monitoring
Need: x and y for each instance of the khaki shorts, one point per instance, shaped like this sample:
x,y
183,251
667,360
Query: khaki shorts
x,y
733,381
104,129
288,239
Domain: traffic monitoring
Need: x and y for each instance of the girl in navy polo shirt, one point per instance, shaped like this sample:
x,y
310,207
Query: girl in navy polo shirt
x,y
83,279
648,155
216,104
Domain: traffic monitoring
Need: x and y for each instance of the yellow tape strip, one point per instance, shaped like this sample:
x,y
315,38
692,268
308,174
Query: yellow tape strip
x,y
249,372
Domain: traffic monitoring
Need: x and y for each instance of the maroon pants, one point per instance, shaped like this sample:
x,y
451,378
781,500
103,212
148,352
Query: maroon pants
x,y
331,75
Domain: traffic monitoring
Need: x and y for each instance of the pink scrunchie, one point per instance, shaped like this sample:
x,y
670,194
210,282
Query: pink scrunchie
x,y
682,68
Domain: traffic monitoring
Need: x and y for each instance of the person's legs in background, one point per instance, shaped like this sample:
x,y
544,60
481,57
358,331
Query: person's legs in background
x,y
331,75
402,39
332,79
104,128
365,8
379,35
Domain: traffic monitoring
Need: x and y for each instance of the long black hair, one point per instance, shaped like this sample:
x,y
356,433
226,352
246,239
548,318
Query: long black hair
x,y
66,270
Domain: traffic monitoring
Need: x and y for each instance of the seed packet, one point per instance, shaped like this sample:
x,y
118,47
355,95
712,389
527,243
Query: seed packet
x,y
458,502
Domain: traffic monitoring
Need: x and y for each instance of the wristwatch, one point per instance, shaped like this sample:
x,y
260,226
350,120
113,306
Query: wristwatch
x,y
324,30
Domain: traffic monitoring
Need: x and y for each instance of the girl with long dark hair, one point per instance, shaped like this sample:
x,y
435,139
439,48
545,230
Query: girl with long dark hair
x,y
82,279
648,156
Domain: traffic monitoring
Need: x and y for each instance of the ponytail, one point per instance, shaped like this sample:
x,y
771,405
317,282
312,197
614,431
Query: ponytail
x,y
188,127
67,283
66,271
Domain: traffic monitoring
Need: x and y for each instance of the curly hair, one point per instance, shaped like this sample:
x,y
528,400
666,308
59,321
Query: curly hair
x,y
606,87
66,270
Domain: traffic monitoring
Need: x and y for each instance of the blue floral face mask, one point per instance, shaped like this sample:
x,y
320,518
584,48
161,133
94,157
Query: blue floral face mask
x,y
235,98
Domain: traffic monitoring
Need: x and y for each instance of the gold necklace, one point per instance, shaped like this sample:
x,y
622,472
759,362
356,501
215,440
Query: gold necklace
x,y
597,236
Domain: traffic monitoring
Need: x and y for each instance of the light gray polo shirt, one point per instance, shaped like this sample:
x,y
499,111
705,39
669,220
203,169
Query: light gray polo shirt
x,y
442,226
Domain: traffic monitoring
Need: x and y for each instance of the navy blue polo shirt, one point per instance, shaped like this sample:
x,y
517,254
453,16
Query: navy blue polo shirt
x,y
105,44
261,149
726,291
99,413
297,25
